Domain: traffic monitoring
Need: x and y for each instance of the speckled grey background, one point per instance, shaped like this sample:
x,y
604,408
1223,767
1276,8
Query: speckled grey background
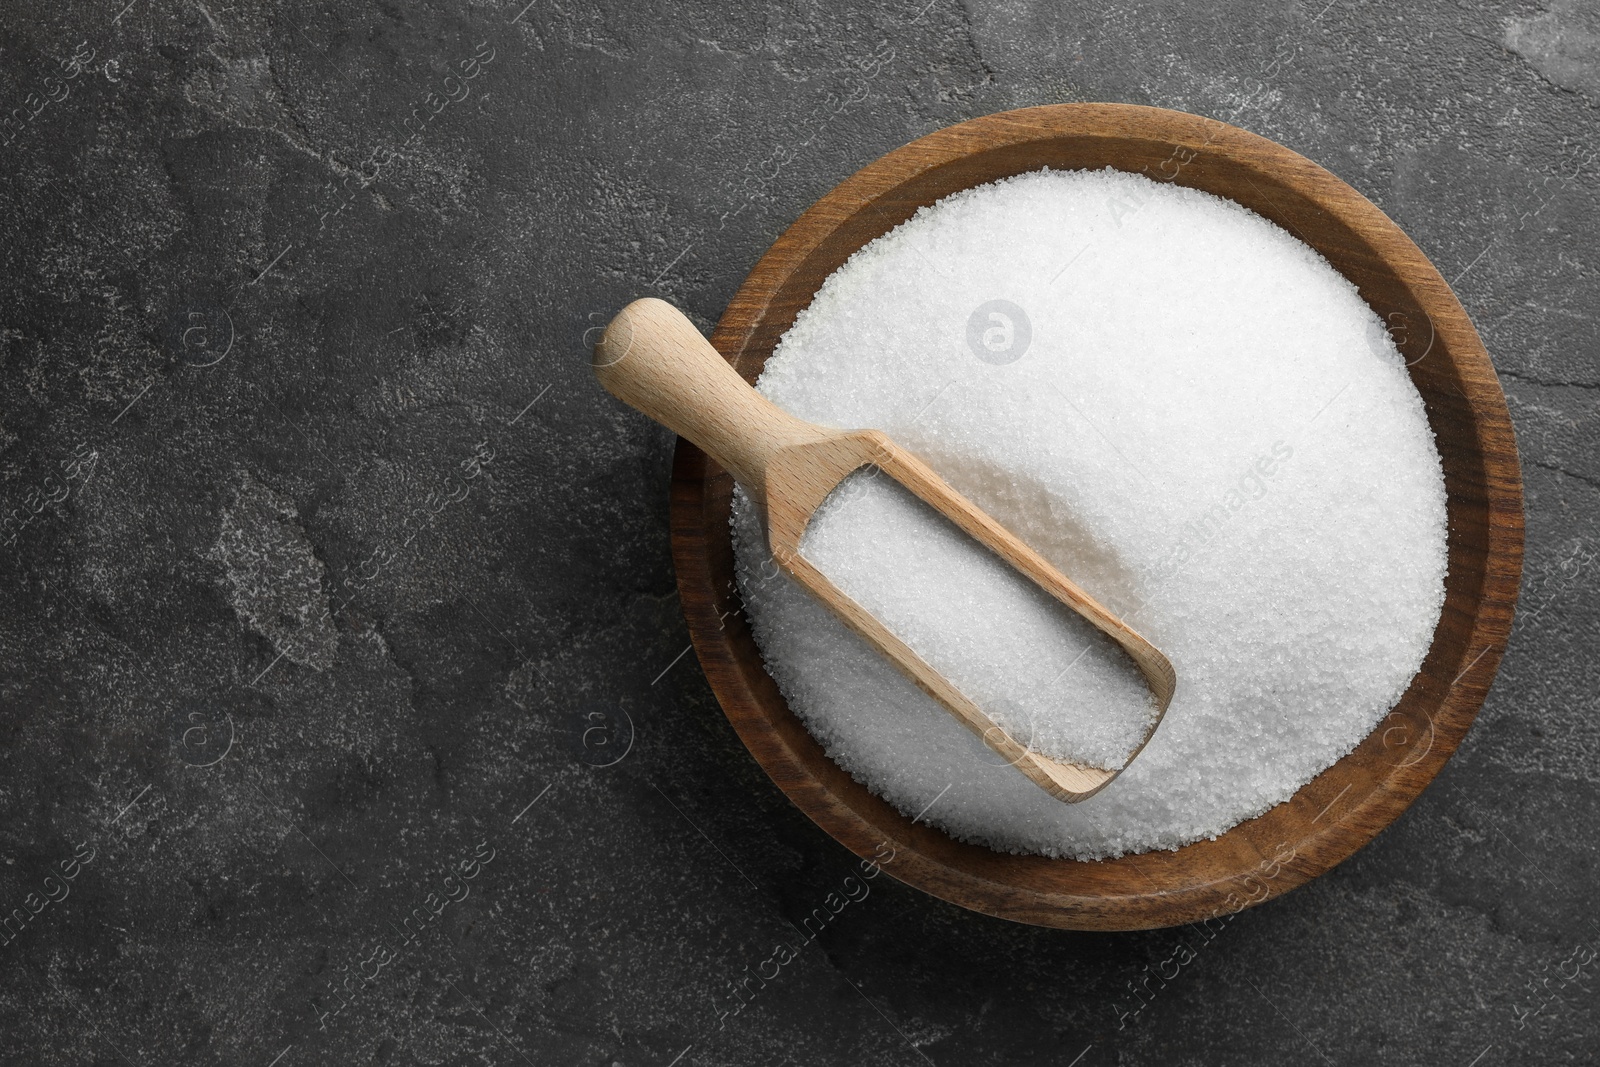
x,y
334,589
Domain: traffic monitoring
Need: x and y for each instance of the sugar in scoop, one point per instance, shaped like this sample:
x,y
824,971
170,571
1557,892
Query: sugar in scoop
x,y
1053,682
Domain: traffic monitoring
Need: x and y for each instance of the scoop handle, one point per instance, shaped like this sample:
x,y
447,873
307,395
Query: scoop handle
x,y
652,357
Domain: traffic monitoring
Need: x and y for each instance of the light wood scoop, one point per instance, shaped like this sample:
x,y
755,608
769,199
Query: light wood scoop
x,y
654,358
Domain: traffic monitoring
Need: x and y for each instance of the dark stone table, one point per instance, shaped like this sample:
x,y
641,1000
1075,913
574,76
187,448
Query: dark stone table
x,y
334,587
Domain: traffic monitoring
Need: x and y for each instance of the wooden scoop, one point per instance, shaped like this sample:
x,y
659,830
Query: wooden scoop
x,y
654,358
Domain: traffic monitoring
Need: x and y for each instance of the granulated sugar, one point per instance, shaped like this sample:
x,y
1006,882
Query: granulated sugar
x,y
1045,676
1185,410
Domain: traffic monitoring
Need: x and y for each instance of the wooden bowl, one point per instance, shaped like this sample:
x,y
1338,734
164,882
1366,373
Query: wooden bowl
x,y
1341,809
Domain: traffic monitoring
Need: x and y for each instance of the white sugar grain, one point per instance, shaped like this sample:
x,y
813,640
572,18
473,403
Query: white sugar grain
x,y
1201,423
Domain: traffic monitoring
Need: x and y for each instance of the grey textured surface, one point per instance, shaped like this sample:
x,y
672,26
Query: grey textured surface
x,y
325,558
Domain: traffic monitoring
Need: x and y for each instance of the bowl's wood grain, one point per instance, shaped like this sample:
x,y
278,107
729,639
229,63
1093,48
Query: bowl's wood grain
x,y
1349,803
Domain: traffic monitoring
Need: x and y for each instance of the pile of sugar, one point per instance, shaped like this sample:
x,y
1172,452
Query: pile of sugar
x,y
1045,676
1201,423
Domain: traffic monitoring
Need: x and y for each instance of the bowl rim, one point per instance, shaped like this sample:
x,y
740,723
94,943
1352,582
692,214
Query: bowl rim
x,y
1204,880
